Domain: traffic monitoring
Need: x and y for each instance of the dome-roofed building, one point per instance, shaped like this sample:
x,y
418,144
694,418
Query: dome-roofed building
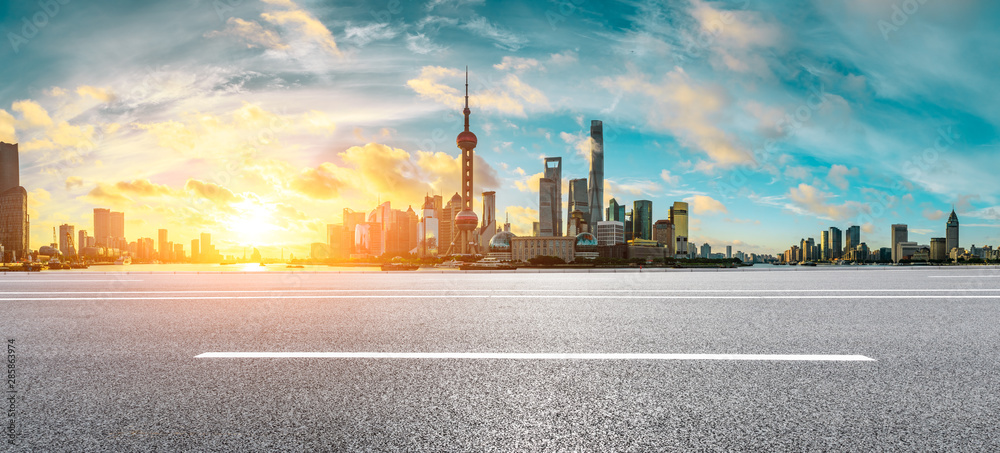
x,y
586,246
500,246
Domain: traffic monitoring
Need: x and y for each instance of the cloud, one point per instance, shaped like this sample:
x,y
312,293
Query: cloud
x,y
691,111
933,215
251,33
101,94
814,201
529,183
580,141
798,173
668,178
422,45
323,182
171,135
304,22
363,35
34,115
567,57
517,64
521,219
510,96
451,3
7,130
704,205
211,192
838,175
73,182
502,38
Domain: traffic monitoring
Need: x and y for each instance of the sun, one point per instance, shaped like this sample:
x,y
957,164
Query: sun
x,y
253,223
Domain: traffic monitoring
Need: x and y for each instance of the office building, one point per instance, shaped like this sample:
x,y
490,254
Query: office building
x,y
10,172
616,212
663,234
642,220
578,200
939,251
610,233
14,225
116,226
836,243
898,235
66,240
679,217
178,254
162,246
489,224
195,250
550,198
824,248
729,251
102,226
706,251
853,238
905,250
595,190
526,248
951,232
429,228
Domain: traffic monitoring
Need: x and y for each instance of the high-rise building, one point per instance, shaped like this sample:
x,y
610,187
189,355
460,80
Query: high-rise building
x,y
824,249
706,250
836,243
207,250
449,234
898,235
663,233
81,241
429,228
595,190
466,220
195,250
116,225
65,239
729,251
951,232
178,252
610,233
550,198
642,219
14,225
938,252
853,238
489,226
102,226
679,217
578,200
10,172
616,212
162,247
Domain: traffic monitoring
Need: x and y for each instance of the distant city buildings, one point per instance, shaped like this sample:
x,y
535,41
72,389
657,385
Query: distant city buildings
x,y
550,198
596,185
14,227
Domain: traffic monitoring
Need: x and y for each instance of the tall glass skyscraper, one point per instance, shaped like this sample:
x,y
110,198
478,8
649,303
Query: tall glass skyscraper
x,y
596,188
836,243
578,200
853,238
951,233
642,219
616,212
550,198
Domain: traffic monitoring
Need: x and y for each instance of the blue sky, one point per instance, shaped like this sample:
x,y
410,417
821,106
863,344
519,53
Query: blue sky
x,y
261,121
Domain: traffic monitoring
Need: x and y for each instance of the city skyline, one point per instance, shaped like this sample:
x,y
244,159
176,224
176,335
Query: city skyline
x,y
268,144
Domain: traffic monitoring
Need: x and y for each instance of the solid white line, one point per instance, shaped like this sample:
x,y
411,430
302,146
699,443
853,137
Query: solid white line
x,y
43,280
965,276
584,291
505,296
530,356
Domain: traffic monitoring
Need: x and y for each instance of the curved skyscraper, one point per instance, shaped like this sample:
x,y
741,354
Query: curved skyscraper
x,y
596,189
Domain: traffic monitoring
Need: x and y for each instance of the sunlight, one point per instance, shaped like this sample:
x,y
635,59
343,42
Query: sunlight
x,y
253,224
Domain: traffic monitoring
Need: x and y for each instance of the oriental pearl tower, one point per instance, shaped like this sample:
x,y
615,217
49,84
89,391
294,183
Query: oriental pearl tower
x,y
466,220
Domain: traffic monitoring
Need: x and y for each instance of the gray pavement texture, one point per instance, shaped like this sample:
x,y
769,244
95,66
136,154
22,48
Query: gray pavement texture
x,y
111,366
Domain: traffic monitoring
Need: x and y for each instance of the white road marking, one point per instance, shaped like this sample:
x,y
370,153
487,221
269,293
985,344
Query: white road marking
x,y
501,296
584,291
44,280
966,276
531,356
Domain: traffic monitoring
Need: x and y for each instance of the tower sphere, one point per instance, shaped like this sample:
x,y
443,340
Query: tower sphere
x,y
466,139
466,220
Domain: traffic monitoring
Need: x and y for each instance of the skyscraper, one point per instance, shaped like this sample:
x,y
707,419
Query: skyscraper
x,y
853,238
836,243
65,238
489,227
899,234
550,198
102,226
679,217
195,250
951,232
578,199
466,220
162,244
116,226
824,249
642,219
616,212
596,189
14,228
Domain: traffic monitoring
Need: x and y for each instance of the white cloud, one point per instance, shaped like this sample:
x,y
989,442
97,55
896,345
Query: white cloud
x,y
502,38
838,175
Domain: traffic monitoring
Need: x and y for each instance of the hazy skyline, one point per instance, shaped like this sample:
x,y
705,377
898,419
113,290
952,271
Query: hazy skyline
x,y
261,121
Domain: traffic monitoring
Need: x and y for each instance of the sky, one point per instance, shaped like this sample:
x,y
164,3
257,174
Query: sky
x,y
260,121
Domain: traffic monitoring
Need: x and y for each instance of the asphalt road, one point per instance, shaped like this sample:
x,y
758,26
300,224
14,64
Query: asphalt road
x,y
106,362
